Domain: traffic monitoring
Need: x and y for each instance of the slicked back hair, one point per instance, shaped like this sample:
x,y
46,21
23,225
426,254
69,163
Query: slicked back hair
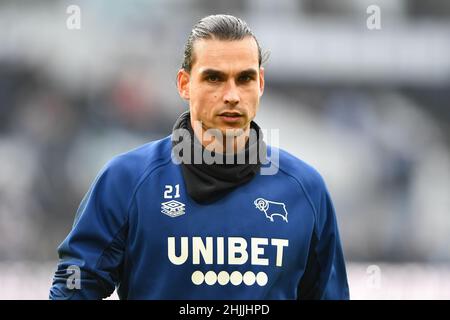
x,y
220,27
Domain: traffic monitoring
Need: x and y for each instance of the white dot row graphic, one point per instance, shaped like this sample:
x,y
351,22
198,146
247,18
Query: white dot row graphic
x,y
223,278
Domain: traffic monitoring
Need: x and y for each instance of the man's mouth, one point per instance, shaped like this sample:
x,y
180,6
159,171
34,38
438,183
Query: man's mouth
x,y
230,116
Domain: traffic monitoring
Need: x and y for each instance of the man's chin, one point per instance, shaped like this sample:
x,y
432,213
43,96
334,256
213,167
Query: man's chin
x,y
234,129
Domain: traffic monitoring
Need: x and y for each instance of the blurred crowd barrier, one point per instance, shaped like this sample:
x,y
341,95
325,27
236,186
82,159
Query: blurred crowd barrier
x,y
368,281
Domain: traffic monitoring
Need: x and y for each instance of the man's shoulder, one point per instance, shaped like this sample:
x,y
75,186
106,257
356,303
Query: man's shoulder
x,y
138,161
305,174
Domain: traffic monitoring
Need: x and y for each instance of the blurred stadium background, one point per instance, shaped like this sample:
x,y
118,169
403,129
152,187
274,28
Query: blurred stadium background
x,y
368,108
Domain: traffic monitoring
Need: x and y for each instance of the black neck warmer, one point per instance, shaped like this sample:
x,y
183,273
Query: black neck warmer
x,y
205,182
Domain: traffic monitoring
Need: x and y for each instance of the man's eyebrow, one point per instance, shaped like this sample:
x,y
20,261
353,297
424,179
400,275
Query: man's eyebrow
x,y
212,72
209,72
248,72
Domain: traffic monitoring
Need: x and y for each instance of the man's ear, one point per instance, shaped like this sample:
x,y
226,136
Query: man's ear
x,y
261,81
183,81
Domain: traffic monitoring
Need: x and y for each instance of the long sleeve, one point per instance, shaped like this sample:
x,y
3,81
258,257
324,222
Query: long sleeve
x,y
325,276
92,254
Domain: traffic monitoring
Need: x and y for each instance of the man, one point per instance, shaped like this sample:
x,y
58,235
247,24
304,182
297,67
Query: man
x,y
203,214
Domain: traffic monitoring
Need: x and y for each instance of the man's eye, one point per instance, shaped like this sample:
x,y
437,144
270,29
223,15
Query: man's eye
x,y
245,79
212,78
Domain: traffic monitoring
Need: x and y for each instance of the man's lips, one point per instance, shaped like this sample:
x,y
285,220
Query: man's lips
x,y
230,116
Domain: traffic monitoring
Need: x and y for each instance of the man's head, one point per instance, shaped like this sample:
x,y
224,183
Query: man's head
x,y
221,75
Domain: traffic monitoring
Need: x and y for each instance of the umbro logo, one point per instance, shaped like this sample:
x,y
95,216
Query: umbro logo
x,y
172,208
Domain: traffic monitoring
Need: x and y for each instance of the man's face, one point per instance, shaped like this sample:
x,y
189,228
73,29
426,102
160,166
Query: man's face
x,y
225,83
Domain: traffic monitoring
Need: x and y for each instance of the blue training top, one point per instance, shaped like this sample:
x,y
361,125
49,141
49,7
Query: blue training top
x,y
275,237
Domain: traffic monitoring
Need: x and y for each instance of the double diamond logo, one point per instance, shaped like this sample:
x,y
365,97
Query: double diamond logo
x,y
172,208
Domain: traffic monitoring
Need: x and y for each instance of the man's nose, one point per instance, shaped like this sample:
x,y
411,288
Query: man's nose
x,y
231,95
